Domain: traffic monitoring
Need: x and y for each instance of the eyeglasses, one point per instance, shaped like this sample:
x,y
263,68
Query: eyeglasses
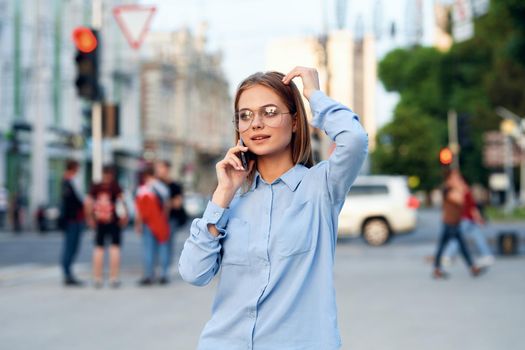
x,y
270,115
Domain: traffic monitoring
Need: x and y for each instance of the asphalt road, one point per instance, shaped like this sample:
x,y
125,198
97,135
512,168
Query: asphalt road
x,y
385,295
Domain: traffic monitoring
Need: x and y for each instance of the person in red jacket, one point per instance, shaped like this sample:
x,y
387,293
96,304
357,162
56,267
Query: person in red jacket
x,y
152,223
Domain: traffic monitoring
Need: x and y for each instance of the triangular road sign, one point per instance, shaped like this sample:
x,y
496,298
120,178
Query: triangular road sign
x,y
134,21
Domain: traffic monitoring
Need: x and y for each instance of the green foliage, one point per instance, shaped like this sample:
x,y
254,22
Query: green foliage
x,y
410,146
498,214
473,77
414,74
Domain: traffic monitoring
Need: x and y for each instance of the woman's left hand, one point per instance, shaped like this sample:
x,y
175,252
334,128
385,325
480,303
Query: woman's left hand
x,y
309,76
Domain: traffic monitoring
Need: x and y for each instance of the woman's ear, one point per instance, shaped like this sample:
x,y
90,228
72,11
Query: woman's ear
x,y
294,122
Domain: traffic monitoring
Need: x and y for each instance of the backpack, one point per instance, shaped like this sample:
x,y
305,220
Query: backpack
x,y
103,208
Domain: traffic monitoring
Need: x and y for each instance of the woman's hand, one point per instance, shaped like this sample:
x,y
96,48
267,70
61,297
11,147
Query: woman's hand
x,y
230,176
310,79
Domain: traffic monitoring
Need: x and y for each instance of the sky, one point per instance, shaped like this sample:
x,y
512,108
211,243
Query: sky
x,y
242,29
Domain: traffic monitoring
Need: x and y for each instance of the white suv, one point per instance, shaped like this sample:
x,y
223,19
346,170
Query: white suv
x,y
378,207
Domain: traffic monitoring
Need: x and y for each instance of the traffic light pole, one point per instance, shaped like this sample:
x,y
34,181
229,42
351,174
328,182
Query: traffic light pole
x,y
96,137
96,108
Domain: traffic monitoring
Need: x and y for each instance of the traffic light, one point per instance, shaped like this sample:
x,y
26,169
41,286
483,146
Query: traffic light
x,y
86,58
445,156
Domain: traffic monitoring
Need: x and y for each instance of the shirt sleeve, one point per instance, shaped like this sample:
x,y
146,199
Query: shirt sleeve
x,y
342,126
200,257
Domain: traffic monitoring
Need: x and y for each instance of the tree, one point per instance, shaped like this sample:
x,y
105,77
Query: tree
x,y
473,78
410,145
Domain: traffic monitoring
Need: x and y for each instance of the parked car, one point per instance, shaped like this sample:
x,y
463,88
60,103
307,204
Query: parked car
x,y
378,207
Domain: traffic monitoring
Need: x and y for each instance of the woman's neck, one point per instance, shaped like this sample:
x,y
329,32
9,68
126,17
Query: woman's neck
x,y
271,167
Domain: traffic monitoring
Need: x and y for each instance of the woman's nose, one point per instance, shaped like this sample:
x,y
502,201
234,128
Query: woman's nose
x,y
257,122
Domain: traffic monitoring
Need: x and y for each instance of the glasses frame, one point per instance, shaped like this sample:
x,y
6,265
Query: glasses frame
x,y
255,114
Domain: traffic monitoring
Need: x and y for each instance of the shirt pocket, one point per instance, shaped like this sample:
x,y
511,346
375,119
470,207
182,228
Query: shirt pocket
x,y
295,235
235,243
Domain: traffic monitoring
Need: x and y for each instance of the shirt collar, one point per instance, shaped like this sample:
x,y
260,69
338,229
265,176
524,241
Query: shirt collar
x,y
292,178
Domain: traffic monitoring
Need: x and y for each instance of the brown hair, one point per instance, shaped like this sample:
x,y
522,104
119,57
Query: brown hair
x,y
72,164
291,97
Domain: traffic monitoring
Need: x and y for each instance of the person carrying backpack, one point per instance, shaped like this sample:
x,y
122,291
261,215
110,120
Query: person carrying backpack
x,y
151,221
106,214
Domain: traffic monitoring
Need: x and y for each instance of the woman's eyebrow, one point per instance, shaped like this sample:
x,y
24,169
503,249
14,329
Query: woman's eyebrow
x,y
266,105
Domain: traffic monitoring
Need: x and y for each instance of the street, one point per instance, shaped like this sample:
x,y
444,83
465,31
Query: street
x,y
386,299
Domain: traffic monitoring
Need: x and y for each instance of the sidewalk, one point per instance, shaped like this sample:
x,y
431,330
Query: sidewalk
x,y
386,299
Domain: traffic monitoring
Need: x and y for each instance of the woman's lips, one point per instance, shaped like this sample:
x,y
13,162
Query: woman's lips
x,y
260,138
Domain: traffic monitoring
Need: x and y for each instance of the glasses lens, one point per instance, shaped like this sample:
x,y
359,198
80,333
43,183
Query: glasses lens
x,y
272,116
243,119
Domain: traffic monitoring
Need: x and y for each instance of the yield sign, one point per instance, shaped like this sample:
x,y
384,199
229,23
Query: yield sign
x,y
134,21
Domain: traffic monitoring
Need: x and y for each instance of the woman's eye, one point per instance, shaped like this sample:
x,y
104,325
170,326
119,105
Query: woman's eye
x,y
270,112
245,116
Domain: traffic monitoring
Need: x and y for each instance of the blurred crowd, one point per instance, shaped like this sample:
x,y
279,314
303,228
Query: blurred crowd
x,y
159,212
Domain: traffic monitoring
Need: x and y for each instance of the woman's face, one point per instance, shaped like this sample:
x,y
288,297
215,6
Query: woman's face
x,y
262,139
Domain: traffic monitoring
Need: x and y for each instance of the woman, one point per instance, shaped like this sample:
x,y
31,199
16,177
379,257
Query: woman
x,y
274,238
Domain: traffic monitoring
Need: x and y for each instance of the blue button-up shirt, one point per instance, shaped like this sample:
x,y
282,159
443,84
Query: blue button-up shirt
x,y
276,249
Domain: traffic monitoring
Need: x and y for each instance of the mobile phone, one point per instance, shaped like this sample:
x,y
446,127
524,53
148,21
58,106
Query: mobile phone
x,y
244,158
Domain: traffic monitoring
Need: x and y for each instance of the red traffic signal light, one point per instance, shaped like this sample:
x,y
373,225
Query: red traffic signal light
x,y
446,156
87,59
85,40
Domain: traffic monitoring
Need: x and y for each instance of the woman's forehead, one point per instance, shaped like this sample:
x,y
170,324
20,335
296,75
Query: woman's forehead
x,y
257,96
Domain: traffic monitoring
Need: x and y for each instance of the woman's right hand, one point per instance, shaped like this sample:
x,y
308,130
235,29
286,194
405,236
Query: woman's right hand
x,y
230,175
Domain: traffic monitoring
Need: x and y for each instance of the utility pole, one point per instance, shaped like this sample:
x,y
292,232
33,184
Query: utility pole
x,y
39,166
453,143
17,74
96,107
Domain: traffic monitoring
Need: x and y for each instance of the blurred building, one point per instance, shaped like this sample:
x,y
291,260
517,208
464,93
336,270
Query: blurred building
x,y
186,107
347,69
42,121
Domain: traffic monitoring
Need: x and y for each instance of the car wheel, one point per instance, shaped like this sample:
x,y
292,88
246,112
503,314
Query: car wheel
x,y
376,232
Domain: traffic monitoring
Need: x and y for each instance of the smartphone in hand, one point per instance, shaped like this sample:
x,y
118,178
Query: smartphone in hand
x,y
244,156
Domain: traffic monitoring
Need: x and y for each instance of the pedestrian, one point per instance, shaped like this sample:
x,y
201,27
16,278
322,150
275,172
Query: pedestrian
x,y
71,222
177,213
151,221
453,204
4,206
471,223
271,225
106,213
